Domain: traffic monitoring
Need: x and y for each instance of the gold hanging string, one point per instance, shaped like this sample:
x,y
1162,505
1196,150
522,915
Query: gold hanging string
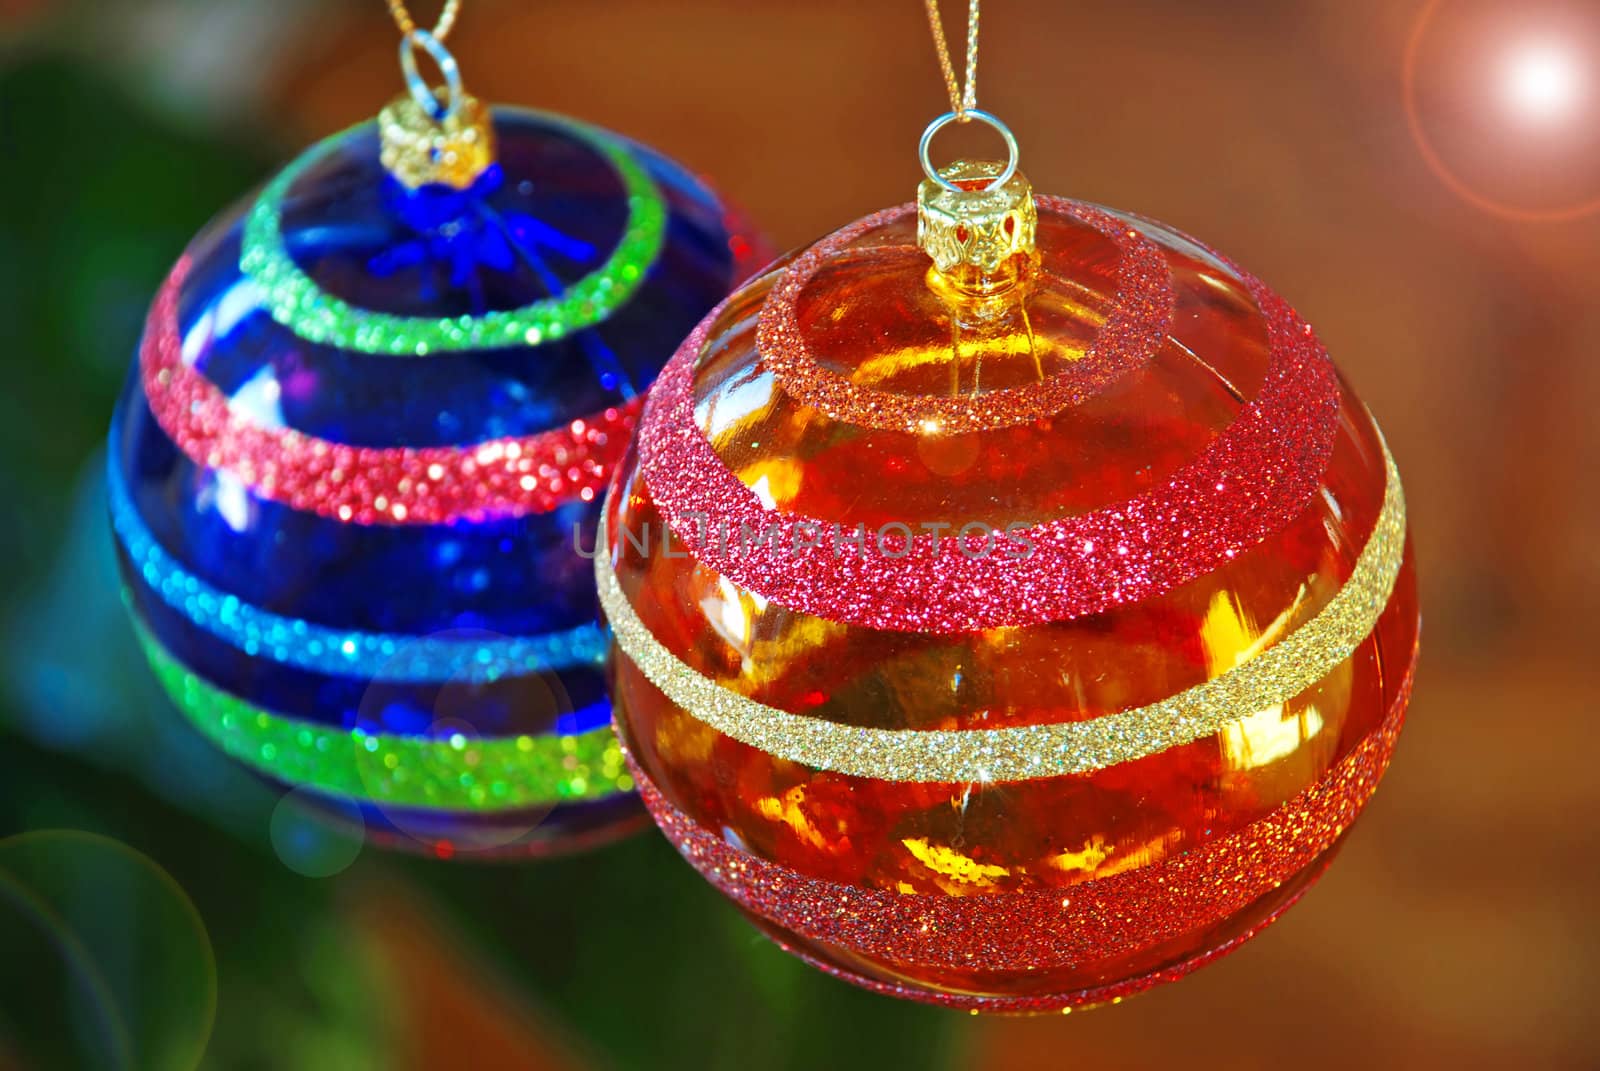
x,y
413,37
433,135
963,109
962,100
441,29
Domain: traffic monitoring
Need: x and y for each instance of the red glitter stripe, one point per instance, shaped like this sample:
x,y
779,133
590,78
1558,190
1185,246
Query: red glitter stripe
x,y
1140,315
1040,929
372,485
1112,993
1249,482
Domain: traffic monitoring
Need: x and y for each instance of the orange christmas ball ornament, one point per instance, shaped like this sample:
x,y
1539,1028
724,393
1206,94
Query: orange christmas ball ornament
x,y
1013,607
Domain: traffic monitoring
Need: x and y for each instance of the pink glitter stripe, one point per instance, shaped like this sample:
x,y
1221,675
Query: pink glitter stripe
x,y
372,485
1054,1002
1112,993
1041,929
1140,315
1249,482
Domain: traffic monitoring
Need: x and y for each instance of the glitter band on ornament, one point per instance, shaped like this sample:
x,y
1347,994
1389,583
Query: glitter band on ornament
x,y
452,773
1053,1002
296,302
508,477
395,656
1272,676
1047,928
1252,480
1140,314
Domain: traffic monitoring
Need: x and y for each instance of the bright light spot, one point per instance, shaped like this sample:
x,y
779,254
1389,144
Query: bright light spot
x,y
1267,736
230,499
259,399
728,614
1542,82
762,489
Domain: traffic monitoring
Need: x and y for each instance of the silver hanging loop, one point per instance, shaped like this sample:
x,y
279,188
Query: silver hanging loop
x,y
1012,152
426,97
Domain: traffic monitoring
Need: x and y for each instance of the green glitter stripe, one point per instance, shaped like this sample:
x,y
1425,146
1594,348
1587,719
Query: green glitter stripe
x,y
297,303
451,774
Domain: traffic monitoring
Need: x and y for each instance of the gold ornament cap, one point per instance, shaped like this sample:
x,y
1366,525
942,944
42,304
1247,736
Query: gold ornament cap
x,y
975,223
421,149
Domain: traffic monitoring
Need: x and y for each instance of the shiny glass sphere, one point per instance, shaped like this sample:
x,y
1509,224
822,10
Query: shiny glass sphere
x,y
1009,639
361,450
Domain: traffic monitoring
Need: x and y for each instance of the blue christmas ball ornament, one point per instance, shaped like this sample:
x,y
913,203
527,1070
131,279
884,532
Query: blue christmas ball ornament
x,y
359,459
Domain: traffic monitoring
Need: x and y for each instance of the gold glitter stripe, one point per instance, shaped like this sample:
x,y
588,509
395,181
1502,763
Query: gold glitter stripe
x,y
1279,673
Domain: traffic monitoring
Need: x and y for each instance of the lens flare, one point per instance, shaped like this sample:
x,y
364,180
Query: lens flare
x,y
1542,82
1509,86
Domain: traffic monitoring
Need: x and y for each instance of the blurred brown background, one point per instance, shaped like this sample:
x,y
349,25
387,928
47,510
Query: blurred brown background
x,y
1458,929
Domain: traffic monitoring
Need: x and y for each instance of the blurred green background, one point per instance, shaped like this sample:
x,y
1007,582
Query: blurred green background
x,y
1457,930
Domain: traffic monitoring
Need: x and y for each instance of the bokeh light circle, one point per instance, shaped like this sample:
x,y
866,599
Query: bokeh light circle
x,y
1541,79
105,954
454,716
307,842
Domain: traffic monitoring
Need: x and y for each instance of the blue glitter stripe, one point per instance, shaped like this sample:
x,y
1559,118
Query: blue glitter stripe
x,y
295,642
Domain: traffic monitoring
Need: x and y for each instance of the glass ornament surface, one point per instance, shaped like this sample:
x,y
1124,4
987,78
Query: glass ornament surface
x,y
1008,640
361,449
